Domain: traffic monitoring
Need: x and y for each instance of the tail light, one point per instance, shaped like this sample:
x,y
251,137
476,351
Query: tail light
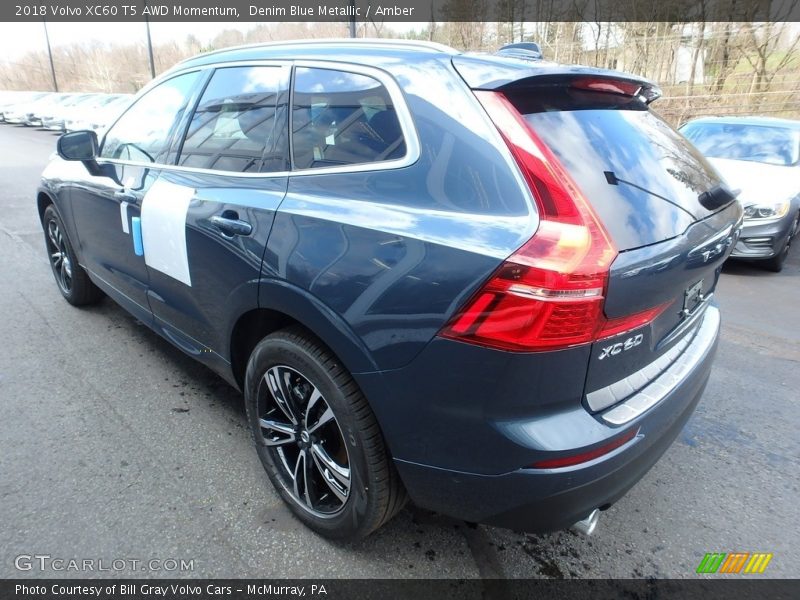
x,y
549,294
610,86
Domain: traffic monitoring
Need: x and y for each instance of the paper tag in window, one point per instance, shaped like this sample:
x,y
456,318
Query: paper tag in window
x,y
330,141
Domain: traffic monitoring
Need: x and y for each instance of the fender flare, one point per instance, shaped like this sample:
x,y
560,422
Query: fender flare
x,y
320,319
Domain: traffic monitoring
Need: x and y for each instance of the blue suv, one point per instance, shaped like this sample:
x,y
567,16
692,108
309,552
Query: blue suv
x,y
481,282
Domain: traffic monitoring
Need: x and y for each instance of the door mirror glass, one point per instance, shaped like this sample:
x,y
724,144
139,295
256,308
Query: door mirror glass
x,y
77,145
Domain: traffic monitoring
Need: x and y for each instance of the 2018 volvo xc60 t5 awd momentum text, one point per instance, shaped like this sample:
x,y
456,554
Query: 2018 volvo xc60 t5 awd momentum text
x,y
481,282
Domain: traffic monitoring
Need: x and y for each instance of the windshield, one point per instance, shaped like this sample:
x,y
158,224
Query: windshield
x,y
736,141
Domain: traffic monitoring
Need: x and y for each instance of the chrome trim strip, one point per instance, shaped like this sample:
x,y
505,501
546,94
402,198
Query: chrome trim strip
x,y
395,93
673,376
619,390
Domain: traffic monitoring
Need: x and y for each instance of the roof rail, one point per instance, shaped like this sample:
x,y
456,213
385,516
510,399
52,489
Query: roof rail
x,y
522,50
386,42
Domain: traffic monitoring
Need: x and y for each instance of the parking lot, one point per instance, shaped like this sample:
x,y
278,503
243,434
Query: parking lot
x,y
114,445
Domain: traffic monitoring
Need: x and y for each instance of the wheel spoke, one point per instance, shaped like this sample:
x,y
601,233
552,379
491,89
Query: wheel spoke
x,y
312,401
51,233
282,429
331,471
325,417
279,393
301,470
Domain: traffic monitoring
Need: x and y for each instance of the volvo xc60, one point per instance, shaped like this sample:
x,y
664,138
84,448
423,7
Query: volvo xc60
x,y
481,282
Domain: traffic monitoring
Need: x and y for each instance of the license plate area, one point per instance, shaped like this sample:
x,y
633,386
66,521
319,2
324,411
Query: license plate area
x,y
692,297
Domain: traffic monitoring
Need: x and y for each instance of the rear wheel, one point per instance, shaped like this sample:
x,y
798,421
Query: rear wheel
x,y
317,437
73,281
776,262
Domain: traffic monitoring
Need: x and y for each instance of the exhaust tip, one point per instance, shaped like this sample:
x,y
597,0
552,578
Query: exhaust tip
x,y
587,526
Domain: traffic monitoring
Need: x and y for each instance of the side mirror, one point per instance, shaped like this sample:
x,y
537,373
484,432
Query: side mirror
x,y
78,145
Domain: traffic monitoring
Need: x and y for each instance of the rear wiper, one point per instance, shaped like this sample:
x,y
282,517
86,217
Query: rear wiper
x,y
612,179
717,197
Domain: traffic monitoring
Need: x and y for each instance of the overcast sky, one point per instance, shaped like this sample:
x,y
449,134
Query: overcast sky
x,y
18,38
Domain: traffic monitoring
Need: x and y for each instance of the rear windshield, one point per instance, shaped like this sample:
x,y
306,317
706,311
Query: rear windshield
x,y
737,141
660,175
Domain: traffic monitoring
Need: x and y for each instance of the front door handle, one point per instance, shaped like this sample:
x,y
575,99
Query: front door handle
x,y
125,196
231,225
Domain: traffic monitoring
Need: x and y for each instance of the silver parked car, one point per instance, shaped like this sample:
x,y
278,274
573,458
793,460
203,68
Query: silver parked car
x,y
54,117
99,115
760,156
15,111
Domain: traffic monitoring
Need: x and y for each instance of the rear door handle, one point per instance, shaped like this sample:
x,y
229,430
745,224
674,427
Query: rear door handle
x,y
231,225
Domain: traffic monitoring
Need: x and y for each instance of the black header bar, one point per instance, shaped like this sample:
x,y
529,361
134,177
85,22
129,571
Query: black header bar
x,y
400,10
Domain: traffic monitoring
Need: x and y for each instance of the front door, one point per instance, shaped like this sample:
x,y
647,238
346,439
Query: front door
x,y
107,210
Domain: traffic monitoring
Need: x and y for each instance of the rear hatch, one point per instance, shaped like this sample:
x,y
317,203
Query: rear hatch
x,y
644,182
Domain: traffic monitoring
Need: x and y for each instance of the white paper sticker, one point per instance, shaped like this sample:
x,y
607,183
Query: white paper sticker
x,y
164,209
123,214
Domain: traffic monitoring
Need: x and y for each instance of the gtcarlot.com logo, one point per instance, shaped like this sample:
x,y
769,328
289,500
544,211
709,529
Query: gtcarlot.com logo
x,y
46,562
734,562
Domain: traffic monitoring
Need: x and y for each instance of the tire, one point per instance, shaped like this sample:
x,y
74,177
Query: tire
x,y
72,280
775,264
348,487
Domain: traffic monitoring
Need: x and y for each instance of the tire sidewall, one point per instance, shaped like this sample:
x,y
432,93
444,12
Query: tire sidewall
x,y
279,349
51,214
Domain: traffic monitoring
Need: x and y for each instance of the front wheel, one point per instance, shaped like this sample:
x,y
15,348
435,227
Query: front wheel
x,y
775,263
317,437
73,281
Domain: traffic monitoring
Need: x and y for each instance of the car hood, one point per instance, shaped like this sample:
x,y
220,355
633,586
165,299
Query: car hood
x,y
758,182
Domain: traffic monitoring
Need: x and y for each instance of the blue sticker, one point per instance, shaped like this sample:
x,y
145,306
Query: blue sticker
x,y
136,234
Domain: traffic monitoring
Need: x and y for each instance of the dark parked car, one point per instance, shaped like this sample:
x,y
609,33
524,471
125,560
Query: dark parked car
x,y
484,282
761,157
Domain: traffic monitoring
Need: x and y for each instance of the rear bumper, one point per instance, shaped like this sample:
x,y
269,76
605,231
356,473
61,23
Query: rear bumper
x,y
550,500
762,240
541,500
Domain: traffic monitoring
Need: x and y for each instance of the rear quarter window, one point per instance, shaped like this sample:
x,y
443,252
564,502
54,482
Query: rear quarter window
x,y
342,118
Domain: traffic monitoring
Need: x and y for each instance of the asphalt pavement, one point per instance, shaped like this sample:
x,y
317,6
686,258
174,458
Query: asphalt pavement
x,y
116,446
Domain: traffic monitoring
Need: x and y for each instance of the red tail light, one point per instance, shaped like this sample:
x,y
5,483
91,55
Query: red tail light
x,y
604,84
549,293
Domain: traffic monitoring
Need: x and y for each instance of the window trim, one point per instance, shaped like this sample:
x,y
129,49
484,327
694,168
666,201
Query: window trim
x,y
392,87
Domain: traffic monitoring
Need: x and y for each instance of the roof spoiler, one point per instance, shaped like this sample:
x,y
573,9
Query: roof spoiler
x,y
504,72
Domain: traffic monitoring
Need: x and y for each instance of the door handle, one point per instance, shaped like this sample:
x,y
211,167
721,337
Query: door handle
x,y
231,225
125,196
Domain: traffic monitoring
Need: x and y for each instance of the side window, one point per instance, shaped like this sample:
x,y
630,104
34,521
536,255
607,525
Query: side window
x,y
234,126
341,118
143,132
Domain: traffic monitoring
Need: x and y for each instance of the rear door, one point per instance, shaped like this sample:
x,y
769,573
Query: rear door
x,y
644,181
206,222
